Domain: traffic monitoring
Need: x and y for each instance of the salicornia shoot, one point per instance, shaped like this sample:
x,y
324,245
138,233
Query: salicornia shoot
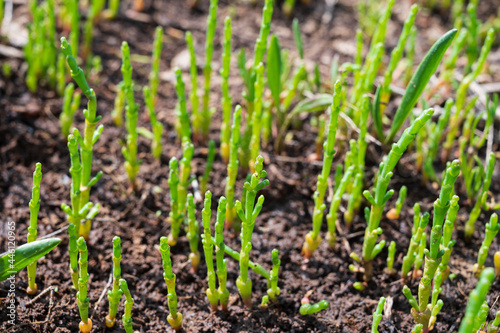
x,y
115,294
129,303
232,167
34,206
174,318
225,131
83,285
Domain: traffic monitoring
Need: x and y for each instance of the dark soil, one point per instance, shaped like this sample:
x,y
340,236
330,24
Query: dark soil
x,y
30,133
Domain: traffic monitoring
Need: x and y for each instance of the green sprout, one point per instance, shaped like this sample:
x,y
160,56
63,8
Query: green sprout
x,y
419,80
179,180
83,285
208,248
377,315
155,63
68,111
273,290
82,211
480,321
390,258
422,311
370,247
183,126
34,206
393,214
219,254
331,217
206,114
192,233
494,325
313,239
208,167
174,318
492,229
156,126
476,299
131,116
481,198
419,224
117,113
460,113
115,294
254,143
225,131
129,303
306,308
60,76
193,95
232,168
248,214
73,254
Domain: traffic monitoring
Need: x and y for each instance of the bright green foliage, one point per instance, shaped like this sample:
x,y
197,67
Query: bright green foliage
x,y
154,79
377,315
68,111
481,198
225,131
248,214
81,159
274,74
208,167
390,258
494,325
419,225
156,126
256,117
208,248
206,114
129,303
182,115
419,80
370,247
446,246
131,117
394,212
219,254
331,217
459,115
179,180
423,311
309,309
40,51
490,233
193,95
273,290
313,239
410,54
259,51
192,233
83,282
117,112
476,299
397,53
419,260
298,38
114,5
115,294
232,167
75,25
174,318
61,75
34,206
435,134
73,254
14,261
450,62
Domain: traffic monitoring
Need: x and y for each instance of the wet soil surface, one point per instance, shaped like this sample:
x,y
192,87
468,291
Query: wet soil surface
x,y
30,133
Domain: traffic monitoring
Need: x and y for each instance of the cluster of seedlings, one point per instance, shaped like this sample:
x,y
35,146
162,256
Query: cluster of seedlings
x,y
359,100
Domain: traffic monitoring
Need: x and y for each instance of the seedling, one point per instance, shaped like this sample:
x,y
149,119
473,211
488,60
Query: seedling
x,y
34,206
492,229
80,148
248,216
225,131
393,214
83,285
192,233
115,294
307,308
377,315
232,168
174,318
129,303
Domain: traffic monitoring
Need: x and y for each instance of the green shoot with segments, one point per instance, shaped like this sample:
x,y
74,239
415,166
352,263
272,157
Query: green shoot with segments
x,y
174,318
34,206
